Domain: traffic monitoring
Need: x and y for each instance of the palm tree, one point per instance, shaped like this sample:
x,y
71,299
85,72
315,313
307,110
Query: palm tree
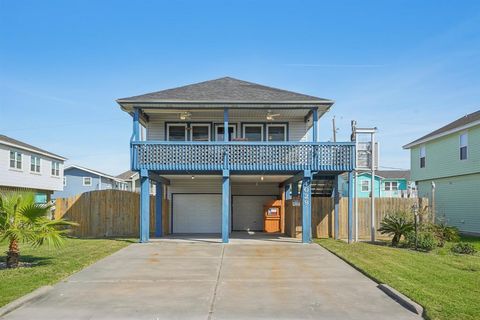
x,y
397,224
24,221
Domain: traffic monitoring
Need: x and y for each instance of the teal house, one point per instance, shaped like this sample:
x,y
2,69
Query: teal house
x,y
388,184
445,164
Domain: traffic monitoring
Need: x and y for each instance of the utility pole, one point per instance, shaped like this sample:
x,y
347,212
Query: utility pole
x,y
334,130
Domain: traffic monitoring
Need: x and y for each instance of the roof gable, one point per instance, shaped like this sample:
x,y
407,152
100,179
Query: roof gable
x,y
225,89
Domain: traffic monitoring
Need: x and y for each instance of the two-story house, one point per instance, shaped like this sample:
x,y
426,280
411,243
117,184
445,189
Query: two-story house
x,y
132,179
224,148
78,180
26,167
446,167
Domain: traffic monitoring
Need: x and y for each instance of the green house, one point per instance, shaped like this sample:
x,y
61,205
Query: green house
x,y
445,164
388,184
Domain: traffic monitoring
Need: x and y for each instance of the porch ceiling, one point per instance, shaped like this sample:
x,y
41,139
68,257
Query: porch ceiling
x,y
256,114
234,178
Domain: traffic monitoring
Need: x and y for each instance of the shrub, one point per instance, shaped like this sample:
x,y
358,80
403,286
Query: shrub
x,y
426,240
445,233
463,248
397,225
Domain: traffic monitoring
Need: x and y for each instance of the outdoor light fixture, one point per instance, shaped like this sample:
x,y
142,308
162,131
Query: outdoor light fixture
x,y
193,177
261,178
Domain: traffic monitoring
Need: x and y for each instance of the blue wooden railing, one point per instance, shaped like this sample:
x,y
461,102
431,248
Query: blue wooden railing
x,y
242,156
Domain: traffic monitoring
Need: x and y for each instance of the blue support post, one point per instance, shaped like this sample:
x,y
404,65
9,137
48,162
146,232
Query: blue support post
x,y
159,210
136,125
350,206
225,125
336,201
144,206
306,207
315,125
225,206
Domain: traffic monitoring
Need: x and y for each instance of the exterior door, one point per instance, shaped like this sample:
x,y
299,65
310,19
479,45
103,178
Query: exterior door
x,y
248,212
196,213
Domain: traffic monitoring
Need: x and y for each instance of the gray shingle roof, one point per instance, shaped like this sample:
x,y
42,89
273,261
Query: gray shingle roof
x,y
225,89
393,174
465,120
20,144
126,175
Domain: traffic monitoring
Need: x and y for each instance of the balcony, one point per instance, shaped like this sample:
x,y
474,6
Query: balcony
x,y
242,156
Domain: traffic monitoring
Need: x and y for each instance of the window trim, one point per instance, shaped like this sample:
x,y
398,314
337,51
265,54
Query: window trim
x,y
64,181
257,125
390,183
37,167
55,169
176,124
465,133
17,159
424,163
284,125
85,184
220,125
200,124
368,186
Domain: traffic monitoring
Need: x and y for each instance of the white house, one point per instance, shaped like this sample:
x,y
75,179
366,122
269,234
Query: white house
x,y
26,167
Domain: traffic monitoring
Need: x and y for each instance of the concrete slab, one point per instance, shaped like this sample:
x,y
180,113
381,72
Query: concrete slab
x,y
188,279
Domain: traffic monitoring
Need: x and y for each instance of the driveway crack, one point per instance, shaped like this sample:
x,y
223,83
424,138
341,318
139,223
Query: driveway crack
x,y
214,295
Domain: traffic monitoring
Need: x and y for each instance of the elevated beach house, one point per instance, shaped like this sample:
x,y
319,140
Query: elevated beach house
x,y
445,165
221,151
29,168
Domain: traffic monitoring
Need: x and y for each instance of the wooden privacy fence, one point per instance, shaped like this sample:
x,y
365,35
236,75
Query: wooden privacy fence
x,y
323,215
107,213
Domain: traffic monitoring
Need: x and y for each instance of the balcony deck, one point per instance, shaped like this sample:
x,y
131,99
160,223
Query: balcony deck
x,y
243,156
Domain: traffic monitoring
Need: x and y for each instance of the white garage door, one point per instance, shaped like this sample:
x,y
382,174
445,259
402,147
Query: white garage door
x,y
197,213
248,212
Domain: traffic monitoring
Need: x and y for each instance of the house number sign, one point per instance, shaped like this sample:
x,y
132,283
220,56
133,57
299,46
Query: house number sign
x,y
306,194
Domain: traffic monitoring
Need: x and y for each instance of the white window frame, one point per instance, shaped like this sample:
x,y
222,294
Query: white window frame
x,y
64,181
423,154
390,185
253,125
362,185
17,159
35,161
277,125
192,125
176,125
463,145
234,135
85,184
55,170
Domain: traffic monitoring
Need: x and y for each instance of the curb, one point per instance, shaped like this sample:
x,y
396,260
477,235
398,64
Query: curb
x,y
403,300
30,297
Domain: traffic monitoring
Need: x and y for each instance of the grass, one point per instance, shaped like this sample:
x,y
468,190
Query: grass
x,y
445,284
52,264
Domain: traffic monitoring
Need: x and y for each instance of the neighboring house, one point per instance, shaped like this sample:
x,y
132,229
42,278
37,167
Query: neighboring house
x,y
448,161
78,180
225,148
132,179
388,184
26,167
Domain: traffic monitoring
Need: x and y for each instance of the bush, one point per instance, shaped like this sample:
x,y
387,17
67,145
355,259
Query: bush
x,y
445,233
463,248
396,225
426,240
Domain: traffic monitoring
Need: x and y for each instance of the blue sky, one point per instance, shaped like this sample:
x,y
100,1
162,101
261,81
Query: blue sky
x,y
406,67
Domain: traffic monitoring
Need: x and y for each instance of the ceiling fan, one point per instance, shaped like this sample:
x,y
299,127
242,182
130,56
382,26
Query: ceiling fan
x,y
271,116
185,115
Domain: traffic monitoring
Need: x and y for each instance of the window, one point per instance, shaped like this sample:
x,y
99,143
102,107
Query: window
x,y
87,181
35,164
422,156
463,146
177,132
64,181
391,185
219,132
15,160
365,184
276,132
200,132
55,168
253,132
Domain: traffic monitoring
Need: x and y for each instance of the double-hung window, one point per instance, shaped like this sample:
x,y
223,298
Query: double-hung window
x,y
35,164
463,146
276,132
199,132
177,132
391,185
422,156
55,168
253,132
365,186
87,181
15,160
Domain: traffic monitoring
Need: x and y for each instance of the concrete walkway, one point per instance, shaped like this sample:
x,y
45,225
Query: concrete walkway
x,y
197,279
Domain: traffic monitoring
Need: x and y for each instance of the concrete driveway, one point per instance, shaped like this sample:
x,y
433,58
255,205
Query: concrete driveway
x,y
203,279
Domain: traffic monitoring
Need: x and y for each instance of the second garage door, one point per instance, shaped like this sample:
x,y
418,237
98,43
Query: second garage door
x,y
196,213
248,212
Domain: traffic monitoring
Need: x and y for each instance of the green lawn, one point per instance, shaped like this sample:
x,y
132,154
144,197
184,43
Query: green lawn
x,y
53,264
445,284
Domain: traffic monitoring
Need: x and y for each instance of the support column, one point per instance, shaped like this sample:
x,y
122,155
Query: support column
x,y
226,206
336,201
306,207
350,207
225,124
144,206
315,125
159,210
